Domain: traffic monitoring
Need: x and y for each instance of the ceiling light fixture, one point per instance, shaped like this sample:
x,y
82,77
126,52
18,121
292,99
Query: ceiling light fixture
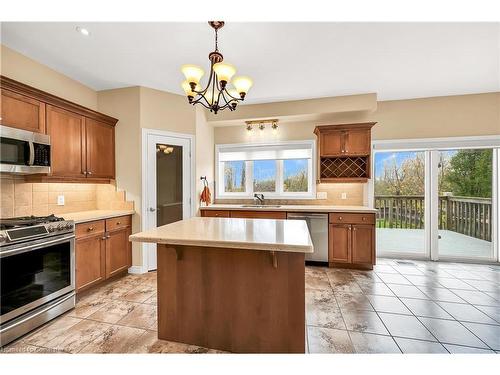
x,y
262,124
274,126
83,31
220,92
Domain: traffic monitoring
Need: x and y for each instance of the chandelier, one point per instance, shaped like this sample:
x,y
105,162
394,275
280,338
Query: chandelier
x,y
220,92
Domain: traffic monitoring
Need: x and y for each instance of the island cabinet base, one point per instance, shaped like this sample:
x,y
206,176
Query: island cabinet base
x,y
243,301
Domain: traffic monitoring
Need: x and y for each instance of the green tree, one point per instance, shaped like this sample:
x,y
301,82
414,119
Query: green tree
x,y
470,173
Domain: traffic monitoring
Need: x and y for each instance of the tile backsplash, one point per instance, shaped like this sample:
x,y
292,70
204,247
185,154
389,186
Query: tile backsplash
x,y
21,198
355,196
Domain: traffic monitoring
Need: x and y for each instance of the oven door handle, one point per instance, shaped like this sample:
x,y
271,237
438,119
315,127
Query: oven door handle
x,y
35,246
31,161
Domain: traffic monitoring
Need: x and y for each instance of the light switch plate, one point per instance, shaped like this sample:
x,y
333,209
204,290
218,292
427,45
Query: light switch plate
x,y
343,196
321,195
60,200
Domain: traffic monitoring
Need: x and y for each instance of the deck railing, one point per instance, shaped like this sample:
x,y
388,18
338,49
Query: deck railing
x,y
466,215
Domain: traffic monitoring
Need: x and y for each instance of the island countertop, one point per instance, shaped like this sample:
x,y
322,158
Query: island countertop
x,y
250,234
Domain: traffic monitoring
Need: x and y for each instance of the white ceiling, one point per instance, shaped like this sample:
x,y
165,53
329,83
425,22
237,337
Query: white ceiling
x,y
286,60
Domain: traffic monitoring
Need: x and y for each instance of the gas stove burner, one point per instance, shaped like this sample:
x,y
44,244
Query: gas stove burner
x,y
26,221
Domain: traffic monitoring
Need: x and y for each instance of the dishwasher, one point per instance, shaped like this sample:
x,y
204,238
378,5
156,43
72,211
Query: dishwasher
x,y
318,229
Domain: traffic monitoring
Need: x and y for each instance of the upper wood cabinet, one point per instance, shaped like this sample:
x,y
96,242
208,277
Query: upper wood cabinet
x,y
100,144
67,138
82,140
344,152
22,112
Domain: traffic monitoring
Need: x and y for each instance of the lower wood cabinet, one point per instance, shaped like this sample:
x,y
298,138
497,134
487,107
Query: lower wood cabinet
x,y
118,252
352,243
102,250
90,261
339,243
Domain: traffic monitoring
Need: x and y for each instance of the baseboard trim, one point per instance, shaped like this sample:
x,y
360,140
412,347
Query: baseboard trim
x,y
137,270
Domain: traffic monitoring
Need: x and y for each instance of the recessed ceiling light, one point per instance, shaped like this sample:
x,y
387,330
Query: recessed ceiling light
x,y
83,31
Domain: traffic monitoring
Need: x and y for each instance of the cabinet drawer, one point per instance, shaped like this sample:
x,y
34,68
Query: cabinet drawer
x,y
118,222
350,218
90,228
214,213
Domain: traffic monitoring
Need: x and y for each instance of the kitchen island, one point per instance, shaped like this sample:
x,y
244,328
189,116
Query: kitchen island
x,y
232,284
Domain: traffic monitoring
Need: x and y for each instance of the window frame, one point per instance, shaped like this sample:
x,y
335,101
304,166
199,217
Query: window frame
x,y
279,193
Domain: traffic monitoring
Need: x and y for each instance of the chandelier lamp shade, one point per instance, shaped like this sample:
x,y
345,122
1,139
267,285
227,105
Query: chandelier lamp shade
x,y
222,91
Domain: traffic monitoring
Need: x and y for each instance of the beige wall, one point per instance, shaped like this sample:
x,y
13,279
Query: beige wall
x,y
124,104
165,111
137,108
448,116
297,110
452,116
23,69
205,158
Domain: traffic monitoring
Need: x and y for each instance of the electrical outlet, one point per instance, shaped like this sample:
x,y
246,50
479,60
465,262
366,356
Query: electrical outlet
x,y
343,196
321,195
60,200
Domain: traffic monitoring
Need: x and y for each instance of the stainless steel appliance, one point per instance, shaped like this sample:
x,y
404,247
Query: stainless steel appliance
x,y
318,229
24,152
37,270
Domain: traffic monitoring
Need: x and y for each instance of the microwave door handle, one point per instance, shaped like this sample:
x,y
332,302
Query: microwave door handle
x,y
32,153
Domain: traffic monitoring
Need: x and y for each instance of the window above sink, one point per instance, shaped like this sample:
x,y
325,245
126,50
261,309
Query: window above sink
x,y
281,170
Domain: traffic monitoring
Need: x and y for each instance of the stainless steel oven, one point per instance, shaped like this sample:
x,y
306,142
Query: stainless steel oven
x,y
24,152
37,277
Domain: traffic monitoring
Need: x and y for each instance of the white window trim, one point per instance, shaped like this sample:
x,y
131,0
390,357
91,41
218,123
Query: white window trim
x,y
311,194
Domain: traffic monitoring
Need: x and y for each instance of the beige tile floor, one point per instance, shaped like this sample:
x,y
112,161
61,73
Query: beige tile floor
x,y
400,306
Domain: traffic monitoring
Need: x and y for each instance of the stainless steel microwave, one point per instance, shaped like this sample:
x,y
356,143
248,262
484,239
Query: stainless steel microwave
x,y
24,152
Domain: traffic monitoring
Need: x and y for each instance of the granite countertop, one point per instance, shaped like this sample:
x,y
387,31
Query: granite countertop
x,y
251,234
292,208
84,216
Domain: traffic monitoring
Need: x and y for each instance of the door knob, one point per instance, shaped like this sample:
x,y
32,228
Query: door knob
x,y
152,209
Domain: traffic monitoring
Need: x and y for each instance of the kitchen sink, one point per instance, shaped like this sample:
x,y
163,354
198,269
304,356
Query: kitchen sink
x,y
260,206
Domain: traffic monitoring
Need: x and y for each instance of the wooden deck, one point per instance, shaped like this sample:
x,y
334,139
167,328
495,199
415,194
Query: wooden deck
x,y
451,244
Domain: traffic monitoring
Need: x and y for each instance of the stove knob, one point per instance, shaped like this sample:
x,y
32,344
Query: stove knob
x,y
51,229
3,238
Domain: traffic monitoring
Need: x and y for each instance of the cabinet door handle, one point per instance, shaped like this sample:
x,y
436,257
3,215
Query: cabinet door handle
x,y
103,238
89,173
108,236
118,222
364,218
340,218
90,229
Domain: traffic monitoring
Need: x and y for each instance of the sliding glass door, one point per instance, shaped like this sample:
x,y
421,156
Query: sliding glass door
x,y
465,210
437,203
399,187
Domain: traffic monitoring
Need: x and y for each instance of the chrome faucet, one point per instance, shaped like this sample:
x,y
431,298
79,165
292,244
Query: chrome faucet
x,y
259,197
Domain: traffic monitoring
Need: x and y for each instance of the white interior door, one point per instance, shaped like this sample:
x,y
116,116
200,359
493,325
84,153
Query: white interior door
x,y
167,184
